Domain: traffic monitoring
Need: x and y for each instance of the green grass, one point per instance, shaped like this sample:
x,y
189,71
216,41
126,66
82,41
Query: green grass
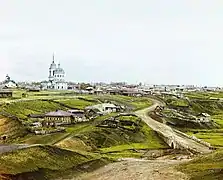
x,y
204,95
76,103
218,119
46,161
24,108
84,141
54,158
77,127
129,118
42,139
197,95
214,137
133,146
177,102
96,138
12,128
107,116
123,154
111,137
208,167
136,103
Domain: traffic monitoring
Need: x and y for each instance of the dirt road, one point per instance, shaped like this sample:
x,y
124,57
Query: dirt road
x,y
136,169
169,132
13,147
8,148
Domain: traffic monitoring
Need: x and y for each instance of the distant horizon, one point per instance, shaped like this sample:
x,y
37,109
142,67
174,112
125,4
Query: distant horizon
x,y
156,42
147,84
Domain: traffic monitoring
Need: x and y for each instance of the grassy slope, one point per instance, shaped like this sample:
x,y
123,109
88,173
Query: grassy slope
x,y
135,103
215,109
208,167
76,103
85,137
46,161
199,103
12,128
109,140
24,108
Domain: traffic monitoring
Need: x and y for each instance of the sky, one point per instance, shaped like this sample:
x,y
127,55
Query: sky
x,y
149,41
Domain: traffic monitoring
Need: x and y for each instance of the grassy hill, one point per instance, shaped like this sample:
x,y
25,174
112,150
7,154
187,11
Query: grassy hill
x,y
84,143
197,103
12,128
208,167
45,162
111,141
23,108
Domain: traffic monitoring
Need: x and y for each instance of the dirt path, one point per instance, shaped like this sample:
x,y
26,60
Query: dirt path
x,y
169,132
14,147
136,169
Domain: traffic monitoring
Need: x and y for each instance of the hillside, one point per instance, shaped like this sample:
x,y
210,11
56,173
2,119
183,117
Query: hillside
x,y
112,141
45,162
181,113
12,128
98,140
208,167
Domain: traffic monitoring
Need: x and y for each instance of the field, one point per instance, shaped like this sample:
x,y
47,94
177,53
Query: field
x,y
134,103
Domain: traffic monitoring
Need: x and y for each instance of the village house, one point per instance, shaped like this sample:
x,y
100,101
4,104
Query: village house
x,y
8,83
78,115
58,117
5,94
204,117
104,108
112,91
98,91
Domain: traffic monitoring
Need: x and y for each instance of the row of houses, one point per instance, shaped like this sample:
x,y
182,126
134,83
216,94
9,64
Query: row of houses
x,y
60,117
57,118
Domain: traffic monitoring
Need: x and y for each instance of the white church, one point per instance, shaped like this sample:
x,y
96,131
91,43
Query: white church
x,y
56,77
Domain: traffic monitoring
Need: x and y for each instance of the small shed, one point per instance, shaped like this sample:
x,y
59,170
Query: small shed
x,y
205,117
78,115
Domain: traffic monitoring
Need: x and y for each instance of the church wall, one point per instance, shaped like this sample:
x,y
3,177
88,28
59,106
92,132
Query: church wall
x,y
56,79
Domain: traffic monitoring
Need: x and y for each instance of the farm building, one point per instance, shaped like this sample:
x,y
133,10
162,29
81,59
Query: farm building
x,y
104,108
58,117
5,94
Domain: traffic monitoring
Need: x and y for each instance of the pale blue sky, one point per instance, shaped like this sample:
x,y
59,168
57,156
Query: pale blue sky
x,y
153,41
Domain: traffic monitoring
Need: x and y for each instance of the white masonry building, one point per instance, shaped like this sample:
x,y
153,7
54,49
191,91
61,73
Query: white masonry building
x,y
56,77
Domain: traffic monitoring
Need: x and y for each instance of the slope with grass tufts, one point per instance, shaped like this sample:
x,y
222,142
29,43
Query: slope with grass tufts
x,y
208,167
44,162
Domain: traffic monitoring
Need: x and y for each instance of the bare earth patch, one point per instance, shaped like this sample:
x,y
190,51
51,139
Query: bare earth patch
x,y
138,169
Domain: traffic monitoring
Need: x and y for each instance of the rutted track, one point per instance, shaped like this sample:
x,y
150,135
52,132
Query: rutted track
x,y
138,169
14,147
171,136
